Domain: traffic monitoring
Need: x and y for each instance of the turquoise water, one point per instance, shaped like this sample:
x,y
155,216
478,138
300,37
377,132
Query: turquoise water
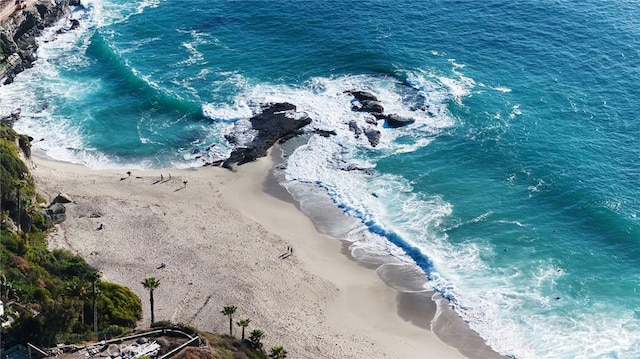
x,y
518,186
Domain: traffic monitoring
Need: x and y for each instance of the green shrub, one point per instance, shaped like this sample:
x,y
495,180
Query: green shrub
x,y
118,305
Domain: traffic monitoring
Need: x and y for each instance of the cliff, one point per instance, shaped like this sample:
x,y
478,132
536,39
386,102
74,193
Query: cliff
x,y
18,32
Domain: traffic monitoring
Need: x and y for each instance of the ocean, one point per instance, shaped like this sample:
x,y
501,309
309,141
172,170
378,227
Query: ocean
x,y
515,191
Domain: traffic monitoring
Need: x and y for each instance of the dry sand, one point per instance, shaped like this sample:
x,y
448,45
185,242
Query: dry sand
x,y
221,237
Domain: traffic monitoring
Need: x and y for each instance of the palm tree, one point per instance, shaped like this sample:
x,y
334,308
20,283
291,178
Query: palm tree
x,y
151,284
278,352
229,310
243,323
255,338
94,278
77,289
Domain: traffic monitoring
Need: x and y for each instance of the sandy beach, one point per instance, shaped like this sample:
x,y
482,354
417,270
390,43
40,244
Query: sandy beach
x,y
221,238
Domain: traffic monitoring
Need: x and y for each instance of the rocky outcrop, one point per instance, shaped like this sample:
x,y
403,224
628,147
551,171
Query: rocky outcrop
x,y
395,120
62,198
54,214
276,122
363,95
18,34
373,135
10,119
368,102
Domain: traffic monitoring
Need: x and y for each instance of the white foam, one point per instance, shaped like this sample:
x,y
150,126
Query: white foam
x,y
109,12
502,89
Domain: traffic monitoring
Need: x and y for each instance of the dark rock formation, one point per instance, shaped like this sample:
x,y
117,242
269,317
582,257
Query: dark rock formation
x,y
395,120
276,121
12,118
353,127
372,121
353,167
374,107
54,214
362,95
18,34
367,102
325,133
61,198
373,135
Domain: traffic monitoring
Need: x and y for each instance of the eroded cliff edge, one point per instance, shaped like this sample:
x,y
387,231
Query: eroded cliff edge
x,y
20,25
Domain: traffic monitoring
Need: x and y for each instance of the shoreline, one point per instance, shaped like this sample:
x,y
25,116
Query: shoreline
x,y
312,303
417,307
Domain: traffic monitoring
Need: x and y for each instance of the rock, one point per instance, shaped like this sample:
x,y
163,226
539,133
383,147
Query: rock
x,y
279,107
325,133
62,198
372,121
362,95
368,102
11,118
373,135
395,120
374,107
353,167
20,30
54,214
353,127
275,122
231,139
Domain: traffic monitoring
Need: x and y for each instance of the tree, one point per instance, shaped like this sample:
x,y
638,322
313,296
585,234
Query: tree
x,y
151,284
255,337
229,310
119,306
243,323
76,288
94,278
278,352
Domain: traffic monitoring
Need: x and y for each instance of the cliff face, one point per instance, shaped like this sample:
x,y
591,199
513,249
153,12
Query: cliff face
x,y
19,31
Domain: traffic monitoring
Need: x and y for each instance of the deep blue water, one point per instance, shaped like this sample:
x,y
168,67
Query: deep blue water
x,y
517,185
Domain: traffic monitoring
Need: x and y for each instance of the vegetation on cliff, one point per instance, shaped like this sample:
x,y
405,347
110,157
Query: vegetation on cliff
x,y
55,297
49,296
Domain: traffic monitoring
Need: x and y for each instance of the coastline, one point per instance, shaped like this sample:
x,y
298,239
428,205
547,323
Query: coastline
x,y
316,303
